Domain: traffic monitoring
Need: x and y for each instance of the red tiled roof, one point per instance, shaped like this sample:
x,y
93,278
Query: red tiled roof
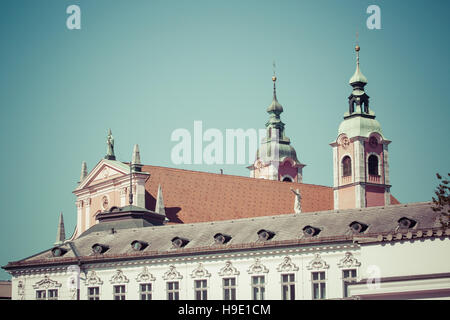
x,y
193,196
394,201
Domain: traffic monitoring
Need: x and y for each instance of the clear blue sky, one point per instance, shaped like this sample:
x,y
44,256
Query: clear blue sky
x,y
146,68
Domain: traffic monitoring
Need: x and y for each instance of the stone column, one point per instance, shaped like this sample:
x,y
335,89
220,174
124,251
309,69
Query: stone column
x,y
79,205
87,214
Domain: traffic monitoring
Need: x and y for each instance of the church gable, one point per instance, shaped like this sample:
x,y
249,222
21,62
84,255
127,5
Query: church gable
x,y
105,170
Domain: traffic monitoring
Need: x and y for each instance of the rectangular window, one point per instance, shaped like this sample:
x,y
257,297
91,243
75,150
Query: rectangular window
x,y
258,287
52,294
93,293
229,289
145,291
318,285
173,290
288,286
119,292
41,295
348,276
201,292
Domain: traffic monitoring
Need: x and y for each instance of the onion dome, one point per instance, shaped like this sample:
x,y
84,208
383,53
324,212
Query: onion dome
x,y
358,77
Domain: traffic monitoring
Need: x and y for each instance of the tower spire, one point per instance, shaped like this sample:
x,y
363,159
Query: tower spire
x,y
276,147
136,159
60,234
274,79
358,80
159,207
275,107
83,171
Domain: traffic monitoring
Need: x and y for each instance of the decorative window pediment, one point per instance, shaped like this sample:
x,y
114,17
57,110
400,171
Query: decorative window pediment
x,y
145,276
228,270
119,277
93,279
46,283
172,274
287,265
200,272
349,261
317,263
257,267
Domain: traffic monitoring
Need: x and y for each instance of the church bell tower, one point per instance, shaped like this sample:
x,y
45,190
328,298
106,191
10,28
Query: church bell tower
x,y
360,153
276,159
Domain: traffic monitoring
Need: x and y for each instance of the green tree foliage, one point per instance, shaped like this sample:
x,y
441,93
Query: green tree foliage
x,y
441,203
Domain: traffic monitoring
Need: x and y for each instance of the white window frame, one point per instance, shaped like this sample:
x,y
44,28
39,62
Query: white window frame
x,y
146,292
95,295
202,290
259,286
319,281
289,283
120,294
344,280
173,291
231,288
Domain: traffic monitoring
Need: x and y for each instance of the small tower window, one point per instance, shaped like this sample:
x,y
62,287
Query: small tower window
x,y
346,166
352,106
365,107
373,165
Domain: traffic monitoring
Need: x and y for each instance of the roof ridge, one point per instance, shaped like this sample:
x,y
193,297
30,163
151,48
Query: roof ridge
x,y
233,176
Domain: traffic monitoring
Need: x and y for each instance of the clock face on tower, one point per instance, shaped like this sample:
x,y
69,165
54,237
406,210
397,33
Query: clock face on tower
x,y
345,143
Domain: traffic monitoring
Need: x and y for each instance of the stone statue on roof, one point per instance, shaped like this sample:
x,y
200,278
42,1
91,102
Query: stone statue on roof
x,y
110,143
297,202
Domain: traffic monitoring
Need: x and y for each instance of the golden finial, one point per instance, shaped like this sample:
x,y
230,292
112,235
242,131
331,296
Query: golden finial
x,y
357,47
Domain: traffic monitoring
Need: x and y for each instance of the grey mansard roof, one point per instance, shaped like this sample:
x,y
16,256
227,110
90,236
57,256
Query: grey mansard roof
x,y
333,226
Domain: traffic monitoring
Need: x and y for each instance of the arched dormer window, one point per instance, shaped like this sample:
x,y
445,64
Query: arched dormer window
x,y
287,179
346,166
373,165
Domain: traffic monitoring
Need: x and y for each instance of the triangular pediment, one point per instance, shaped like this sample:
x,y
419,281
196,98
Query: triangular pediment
x,y
104,170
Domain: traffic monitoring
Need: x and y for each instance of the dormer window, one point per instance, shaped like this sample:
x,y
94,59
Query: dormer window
x,y
406,223
220,238
178,242
58,252
358,227
139,245
264,235
99,248
309,231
